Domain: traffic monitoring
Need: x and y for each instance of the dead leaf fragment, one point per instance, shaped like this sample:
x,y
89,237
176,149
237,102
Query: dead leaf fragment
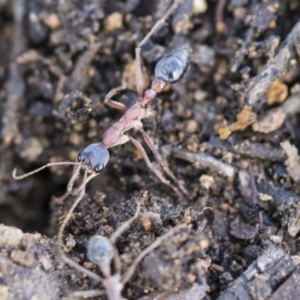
x,y
206,181
244,118
293,161
22,257
271,121
277,92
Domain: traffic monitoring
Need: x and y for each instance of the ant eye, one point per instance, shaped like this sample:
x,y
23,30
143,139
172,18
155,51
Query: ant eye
x,y
99,249
99,167
80,156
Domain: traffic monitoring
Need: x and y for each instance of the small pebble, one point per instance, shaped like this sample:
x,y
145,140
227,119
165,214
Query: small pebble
x,y
52,21
199,7
191,126
10,236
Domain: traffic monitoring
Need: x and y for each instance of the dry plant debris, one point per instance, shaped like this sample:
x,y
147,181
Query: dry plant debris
x,y
270,122
244,118
277,92
293,160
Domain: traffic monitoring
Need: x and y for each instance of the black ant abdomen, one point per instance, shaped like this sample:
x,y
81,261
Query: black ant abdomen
x,y
171,68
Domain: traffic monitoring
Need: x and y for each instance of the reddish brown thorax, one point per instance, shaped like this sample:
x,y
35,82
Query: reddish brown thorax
x,y
132,116
157,86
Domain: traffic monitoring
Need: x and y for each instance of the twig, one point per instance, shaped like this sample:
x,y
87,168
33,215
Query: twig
x,y
78,77
206,161
258,85
181,18
16,84
258,24
258,281
259,150
243,51
219,16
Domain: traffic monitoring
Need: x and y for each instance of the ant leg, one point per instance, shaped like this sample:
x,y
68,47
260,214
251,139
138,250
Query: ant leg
x,y
89,178
74,176
139,80
150,248
69,214
125,225
117,233
153,169
69,186
163,163
112,93
88,294
138,65
80,268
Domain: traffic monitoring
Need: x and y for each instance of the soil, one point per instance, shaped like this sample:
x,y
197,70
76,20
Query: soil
x,y
229,131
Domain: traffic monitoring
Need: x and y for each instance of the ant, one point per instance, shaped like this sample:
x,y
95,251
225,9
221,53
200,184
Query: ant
x,y
103,252
93,159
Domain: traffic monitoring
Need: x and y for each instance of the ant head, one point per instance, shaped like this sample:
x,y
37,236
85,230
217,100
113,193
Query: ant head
x,y
94,157
172,67
100,249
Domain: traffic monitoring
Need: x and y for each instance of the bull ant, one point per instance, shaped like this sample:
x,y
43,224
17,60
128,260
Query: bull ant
x,y
93,159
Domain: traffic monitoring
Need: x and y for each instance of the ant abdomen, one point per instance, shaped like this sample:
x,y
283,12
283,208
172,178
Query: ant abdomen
x,y
172,67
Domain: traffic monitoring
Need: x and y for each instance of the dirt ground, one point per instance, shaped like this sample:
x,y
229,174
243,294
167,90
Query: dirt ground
x,y
229,131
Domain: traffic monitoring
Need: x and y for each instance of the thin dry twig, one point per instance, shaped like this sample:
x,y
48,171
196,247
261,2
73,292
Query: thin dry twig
x,y
257,26
258,85
16,84
206,161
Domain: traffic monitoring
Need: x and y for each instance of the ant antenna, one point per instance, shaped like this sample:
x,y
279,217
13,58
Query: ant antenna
x,y
18,177
69,214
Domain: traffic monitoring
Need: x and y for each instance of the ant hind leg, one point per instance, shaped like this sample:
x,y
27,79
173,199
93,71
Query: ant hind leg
x,y
125,225
155,28
163,163
153,169
111,94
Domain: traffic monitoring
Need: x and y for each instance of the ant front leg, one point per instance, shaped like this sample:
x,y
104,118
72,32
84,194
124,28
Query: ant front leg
x,y
111,94
89,178
70,212
70,185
